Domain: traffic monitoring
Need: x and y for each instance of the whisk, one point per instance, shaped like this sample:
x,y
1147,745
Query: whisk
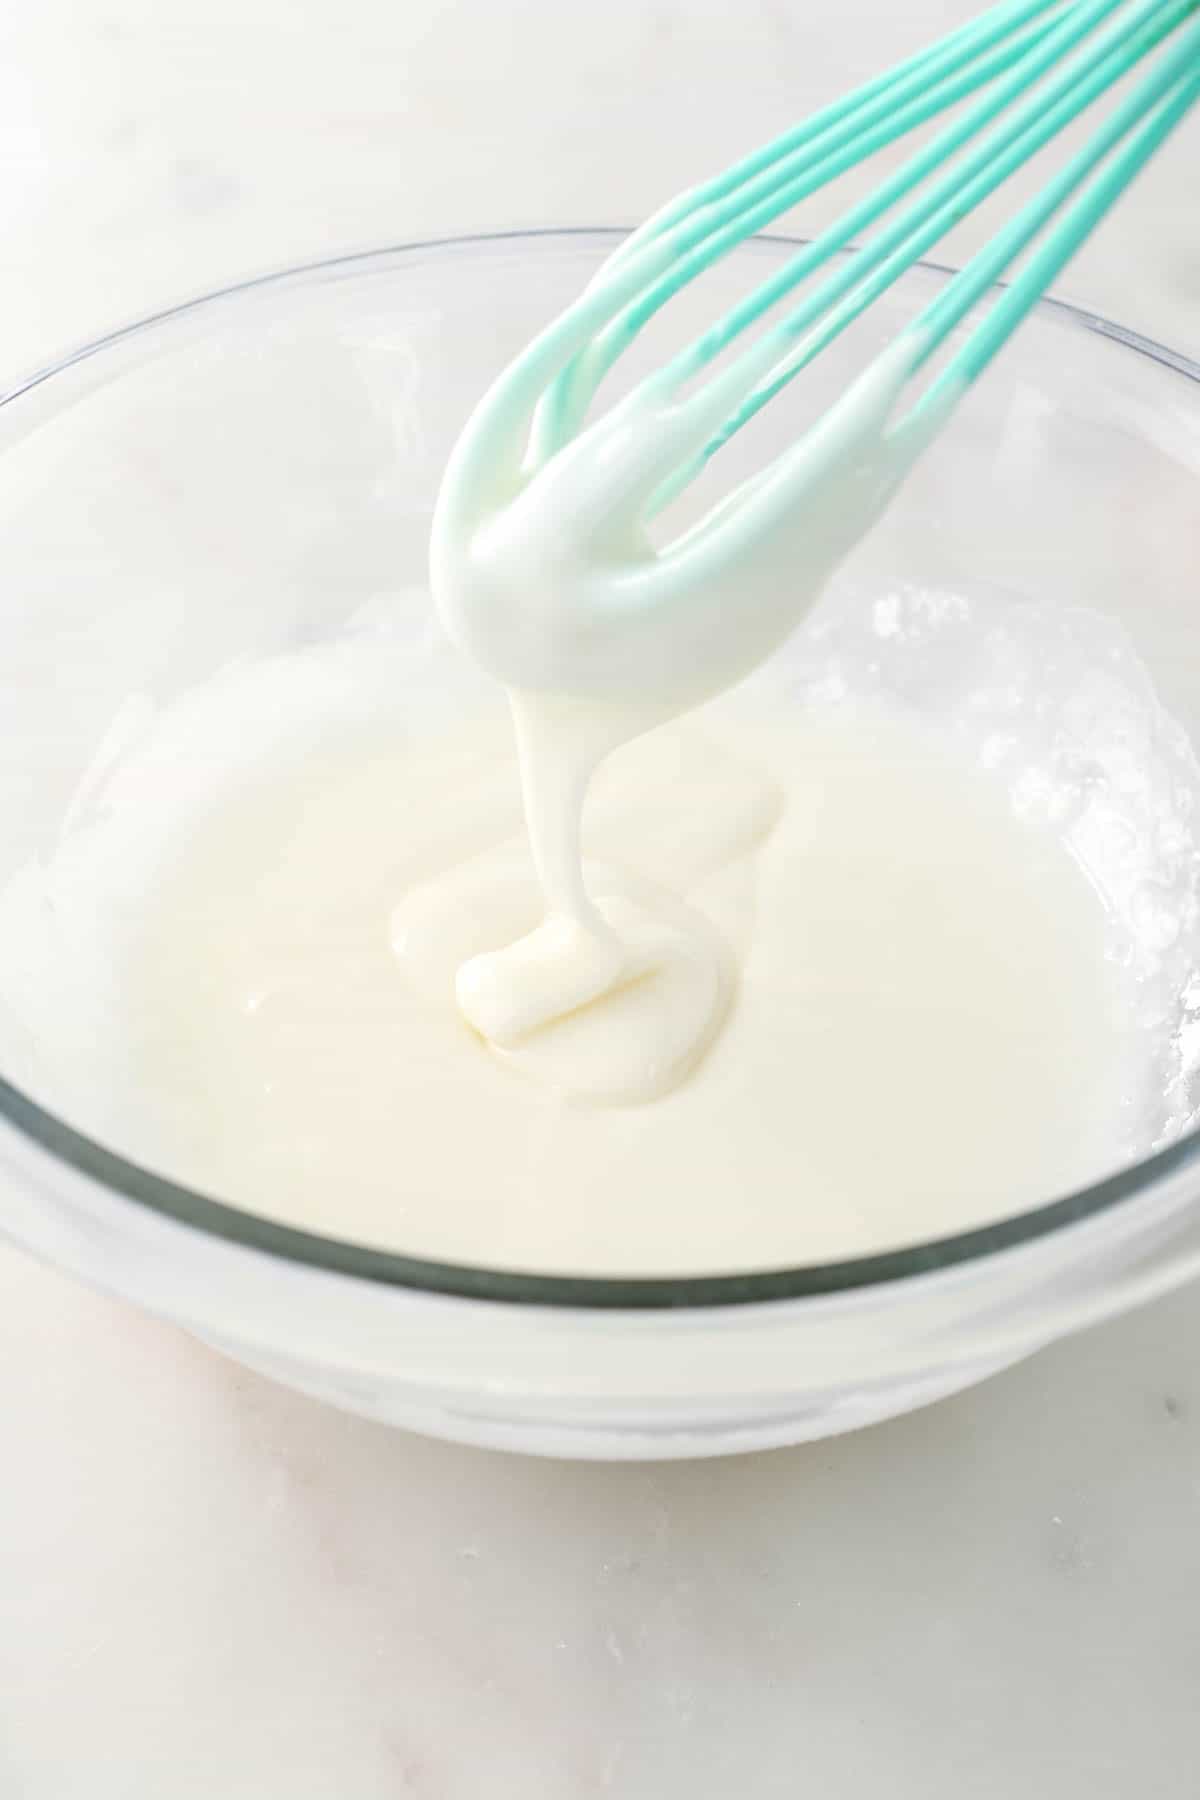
x,y
556,495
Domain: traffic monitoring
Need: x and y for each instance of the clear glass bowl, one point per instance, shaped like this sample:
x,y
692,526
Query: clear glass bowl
x,y
240,475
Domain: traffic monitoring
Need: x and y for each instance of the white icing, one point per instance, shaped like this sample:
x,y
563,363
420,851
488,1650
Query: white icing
x,y
556,589
239,966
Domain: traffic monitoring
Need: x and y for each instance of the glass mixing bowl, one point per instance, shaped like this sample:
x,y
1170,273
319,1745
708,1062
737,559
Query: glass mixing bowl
x,y
245,473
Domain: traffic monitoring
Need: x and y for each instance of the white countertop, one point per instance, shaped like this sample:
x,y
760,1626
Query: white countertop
x,y
212,1587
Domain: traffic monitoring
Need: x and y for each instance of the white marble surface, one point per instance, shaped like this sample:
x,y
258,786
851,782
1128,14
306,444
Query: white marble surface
x,y
212,1587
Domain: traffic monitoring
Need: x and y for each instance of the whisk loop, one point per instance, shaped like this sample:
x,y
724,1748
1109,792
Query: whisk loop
x,y
1029,68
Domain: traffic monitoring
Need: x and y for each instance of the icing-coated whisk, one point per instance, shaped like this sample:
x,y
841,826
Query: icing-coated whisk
x,y
536,473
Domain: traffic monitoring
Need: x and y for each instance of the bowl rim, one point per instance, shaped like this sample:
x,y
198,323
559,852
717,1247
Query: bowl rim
x,y
130,1181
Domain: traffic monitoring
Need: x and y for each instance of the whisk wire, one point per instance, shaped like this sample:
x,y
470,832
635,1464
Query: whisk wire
x,y
921,71
923,225
1048,61
702,232
1171,92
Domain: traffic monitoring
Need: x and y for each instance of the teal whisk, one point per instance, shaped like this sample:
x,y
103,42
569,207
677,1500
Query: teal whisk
x,y
538,473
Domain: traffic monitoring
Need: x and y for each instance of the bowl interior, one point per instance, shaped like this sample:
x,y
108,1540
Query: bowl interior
x,y
256,473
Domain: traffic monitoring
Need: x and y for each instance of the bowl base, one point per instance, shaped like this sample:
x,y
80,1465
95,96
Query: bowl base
x,y
606,1437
